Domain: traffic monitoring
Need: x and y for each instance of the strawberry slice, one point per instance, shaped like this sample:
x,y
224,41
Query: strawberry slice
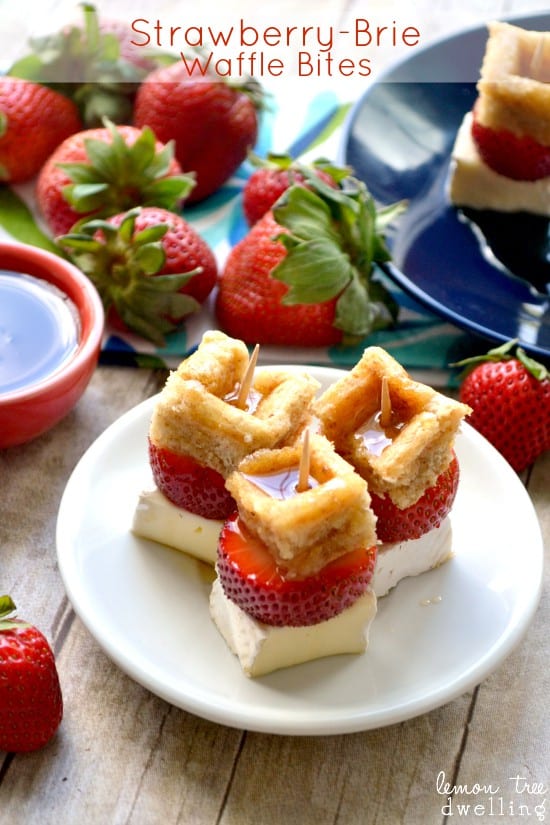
x,y
424,515
190,485
511,155
251,578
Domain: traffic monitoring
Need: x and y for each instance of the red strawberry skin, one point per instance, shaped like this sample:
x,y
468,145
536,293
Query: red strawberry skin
x,y
250,578
515,156
426,514
266,185
56,211
511,408
184,248
249,305
213,124
190,485
31,704
28,137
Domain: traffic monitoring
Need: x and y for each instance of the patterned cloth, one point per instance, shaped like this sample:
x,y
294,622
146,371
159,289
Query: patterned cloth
x,y
423,343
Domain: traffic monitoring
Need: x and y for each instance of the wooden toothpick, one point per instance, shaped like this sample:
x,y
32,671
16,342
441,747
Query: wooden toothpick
x,y
248,378
305,461
385,404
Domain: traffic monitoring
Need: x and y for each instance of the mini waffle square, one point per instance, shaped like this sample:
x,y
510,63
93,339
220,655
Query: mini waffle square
x,y
514,86
424,426
195,416
308,529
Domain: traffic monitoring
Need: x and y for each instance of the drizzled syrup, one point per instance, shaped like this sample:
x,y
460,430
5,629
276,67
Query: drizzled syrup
x,y
281,485
375,437
252,399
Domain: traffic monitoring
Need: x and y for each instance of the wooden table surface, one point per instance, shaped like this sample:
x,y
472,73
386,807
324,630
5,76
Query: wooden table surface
x,y
123,755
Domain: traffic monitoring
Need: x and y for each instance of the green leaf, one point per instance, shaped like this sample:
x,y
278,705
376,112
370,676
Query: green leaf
x,y
79,172
7,605
354,312
314,271
103,158
167,192
3,124
151,235
305,215
18,221
537,370
85,197
150,258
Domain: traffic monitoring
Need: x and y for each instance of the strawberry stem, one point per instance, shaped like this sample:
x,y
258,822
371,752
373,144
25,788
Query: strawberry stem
x,y
504,352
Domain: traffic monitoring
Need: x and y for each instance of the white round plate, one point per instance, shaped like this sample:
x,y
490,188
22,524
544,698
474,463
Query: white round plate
x,y
435,636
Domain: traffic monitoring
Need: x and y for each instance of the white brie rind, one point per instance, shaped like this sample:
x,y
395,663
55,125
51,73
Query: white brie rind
x,y
156,518
263,648
159,520
473,184
411,558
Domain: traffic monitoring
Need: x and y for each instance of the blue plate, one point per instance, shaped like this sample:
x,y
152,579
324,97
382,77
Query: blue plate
x,y
398,139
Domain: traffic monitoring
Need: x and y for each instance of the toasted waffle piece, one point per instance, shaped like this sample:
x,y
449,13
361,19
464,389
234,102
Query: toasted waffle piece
x,y
304,530
514,86
196,414
400,457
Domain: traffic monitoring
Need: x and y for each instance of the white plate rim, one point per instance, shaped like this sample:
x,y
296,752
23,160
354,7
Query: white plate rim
x,y
279,720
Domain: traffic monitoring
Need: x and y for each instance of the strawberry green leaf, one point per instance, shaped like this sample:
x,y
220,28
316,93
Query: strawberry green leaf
x,y
537,370
7,605
354,313
315,271
305,215
85,197
333,242
118,176
504,352
85,64
150,258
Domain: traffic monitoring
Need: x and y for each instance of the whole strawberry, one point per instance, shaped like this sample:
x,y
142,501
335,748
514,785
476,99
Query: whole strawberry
x,y
274,175
509,394
101,172
304,275
27,137
31,705
150,267
214,123
92,64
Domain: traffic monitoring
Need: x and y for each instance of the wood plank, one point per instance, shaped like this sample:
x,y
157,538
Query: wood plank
x,y
511,713
121,754
382,776
33,478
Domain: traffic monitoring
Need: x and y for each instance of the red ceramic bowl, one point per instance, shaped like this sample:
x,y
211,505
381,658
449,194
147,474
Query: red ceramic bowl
x,y
51,326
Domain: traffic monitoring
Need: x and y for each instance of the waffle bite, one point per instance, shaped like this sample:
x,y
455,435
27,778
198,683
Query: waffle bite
x,y
399,435
201,429
501,157
294,565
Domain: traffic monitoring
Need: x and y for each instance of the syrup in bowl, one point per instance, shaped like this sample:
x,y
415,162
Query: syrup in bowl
x,y
39,330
